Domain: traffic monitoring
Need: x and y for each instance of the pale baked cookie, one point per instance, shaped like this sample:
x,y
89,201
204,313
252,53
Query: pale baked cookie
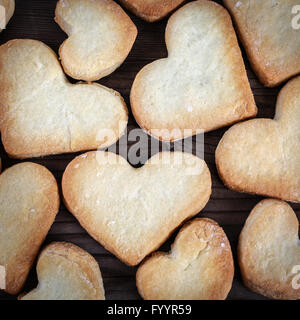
x,y
199,266
29,202
269,250
66,272
7,8
202,85
262,155
101,36
42,113
131,212
152,10
267,33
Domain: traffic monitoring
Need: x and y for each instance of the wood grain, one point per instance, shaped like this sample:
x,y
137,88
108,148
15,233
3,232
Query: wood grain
x,y
34,19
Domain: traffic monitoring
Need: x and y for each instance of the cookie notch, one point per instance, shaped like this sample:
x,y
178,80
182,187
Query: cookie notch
x,y
152,10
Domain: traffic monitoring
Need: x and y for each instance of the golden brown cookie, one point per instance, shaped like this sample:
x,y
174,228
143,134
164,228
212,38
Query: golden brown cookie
x,y
100,37
66,272
29,202
198,267
131,212
202,85
271,41
262,156
42,113
269,250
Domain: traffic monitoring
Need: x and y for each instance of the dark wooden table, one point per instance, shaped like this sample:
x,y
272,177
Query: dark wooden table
x,y
35,19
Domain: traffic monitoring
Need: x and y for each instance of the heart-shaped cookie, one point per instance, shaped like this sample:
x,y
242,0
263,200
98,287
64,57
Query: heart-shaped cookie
x,y
7,8
269,250
151,10
67,272
42,113
101,36
199,266
202,85
262,155
269,31
131,212
29,202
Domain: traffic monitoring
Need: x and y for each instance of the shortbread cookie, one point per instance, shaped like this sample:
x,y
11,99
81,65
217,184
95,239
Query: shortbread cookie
x,y
262,155
267,33
131,212
101,36
202,85
152,10
29,202
199,266
42,113
269,250
67,272
7,8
